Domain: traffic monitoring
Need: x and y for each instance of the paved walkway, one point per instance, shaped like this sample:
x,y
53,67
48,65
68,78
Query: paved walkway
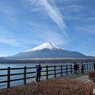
x,y
83,77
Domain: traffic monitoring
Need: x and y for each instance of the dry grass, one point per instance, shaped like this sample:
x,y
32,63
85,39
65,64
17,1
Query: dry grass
x,y
52,87
91,74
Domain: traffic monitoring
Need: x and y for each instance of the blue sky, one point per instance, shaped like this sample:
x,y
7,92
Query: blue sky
x,y
25,24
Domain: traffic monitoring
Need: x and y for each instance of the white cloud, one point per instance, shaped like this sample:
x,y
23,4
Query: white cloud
x,y
9,15
8,37
13,19
52,11
2,55
9,41
69,10
88,29
72,8
68,17
68,1
47,34
10,11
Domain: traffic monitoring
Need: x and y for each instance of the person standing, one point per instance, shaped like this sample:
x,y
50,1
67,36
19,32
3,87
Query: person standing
x,y
82,68
75,67
94,66
38,72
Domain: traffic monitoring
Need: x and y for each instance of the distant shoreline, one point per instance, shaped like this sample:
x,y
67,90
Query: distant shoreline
x,y
48,60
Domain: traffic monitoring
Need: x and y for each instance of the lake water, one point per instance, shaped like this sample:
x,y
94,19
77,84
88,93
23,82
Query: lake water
x,y
21,65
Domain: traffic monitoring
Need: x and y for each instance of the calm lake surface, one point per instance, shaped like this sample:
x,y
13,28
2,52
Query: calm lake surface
x,y
21,65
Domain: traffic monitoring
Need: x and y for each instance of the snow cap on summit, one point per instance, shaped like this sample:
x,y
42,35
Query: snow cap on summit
x,y
47,45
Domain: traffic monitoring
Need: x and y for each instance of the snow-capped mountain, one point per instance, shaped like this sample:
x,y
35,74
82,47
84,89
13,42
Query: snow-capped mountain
x,y
48,50
47,45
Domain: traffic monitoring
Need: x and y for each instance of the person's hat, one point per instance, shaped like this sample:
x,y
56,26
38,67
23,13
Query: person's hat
x,y
38,64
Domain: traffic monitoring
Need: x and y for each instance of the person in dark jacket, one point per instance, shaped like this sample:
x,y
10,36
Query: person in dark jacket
x,y
94,65
38,72
82,68
75,67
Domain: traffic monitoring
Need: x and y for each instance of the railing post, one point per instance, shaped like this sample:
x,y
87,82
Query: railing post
x,y
90,66
87,67
8,78
93,67
61,70
47,72
84,68
78,68
66,69
71,69
25,75
55,71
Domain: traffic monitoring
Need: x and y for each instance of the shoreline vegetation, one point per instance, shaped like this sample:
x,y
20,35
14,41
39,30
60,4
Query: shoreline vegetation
x,y
46,60
52,87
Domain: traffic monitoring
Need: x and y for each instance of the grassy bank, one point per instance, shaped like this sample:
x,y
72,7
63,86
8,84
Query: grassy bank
x,y
52,87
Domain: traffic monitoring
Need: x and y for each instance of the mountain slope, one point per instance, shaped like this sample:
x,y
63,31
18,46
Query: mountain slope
x,y
48,50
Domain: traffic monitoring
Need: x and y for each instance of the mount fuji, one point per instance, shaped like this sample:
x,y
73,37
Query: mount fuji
x,y
49,50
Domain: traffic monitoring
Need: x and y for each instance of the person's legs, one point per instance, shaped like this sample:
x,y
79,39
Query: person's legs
x,y
37,77
82,71
77,71
74,71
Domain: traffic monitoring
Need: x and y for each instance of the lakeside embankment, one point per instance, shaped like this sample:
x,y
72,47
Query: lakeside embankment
x,y
52,87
